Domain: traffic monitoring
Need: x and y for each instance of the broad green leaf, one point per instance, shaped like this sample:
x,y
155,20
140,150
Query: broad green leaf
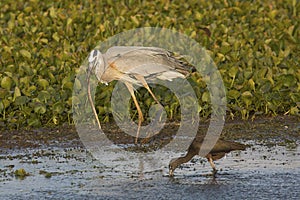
x,y
6,83
34,121
75,100
288,80
29,91
247,94
39,108
25,80
44,40
28,9
77,84
251,84
17,93
52,12
3,93
205,97
6,103
25,53
69,21
21,100
265,86
233,94
44,96
55,36
43,83
198,15
247,73
294,110
135,20
233,71
58,107
68,85
1,107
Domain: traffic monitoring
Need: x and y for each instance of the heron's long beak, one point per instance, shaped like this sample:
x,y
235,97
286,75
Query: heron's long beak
x,y
171,172
89,70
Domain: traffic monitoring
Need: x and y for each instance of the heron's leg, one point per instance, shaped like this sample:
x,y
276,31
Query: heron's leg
x,y
212,164
145,84
141,118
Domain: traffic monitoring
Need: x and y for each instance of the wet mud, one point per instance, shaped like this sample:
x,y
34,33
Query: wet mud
x,y
57,165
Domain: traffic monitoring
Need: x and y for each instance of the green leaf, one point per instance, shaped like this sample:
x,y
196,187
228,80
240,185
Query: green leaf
x,y
6,103
1,106
294,110
39,108
205,97
233,71
21,100
28,9
265,86
135,20
29,91
17,93
251,84
3,93
247,94
56,37
77,84
247,73
44,40
288,80
25,53
198,15
25,80
44,96
58,107
233,94
6,83
34,121
43,83
273,13
52,12
21,173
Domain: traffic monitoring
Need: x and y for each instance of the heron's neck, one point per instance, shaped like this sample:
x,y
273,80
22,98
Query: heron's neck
x,y
184,159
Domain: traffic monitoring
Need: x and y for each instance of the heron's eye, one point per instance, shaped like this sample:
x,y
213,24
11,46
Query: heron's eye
x,y
93,55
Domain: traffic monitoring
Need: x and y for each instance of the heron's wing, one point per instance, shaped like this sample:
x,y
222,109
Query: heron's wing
x,y
145,61
118,51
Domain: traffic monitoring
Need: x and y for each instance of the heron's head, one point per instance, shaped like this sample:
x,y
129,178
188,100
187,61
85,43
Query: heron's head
x,y
95,63
172,166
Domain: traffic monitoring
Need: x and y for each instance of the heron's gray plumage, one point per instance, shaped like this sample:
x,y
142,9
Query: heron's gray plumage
x,y
132,65
145,61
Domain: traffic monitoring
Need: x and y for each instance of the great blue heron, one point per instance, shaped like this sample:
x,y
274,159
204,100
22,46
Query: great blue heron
x,y
132,65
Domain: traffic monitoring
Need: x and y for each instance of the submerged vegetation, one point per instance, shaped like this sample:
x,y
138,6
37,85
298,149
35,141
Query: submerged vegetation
x,y
255,45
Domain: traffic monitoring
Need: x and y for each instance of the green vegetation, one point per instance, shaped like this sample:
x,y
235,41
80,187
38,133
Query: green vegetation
x,y
21,173
255,44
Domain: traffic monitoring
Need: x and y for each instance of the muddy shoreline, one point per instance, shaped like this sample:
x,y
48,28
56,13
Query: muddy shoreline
x,y
282,130
59,166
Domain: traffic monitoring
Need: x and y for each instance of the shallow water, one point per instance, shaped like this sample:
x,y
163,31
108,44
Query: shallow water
x,y
259,172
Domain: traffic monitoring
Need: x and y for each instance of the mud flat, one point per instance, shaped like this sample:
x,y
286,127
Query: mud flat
x,y
57,165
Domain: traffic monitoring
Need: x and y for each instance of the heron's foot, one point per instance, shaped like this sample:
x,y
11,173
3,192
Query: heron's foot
x,y
145,140
141,118
214,172
148,137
